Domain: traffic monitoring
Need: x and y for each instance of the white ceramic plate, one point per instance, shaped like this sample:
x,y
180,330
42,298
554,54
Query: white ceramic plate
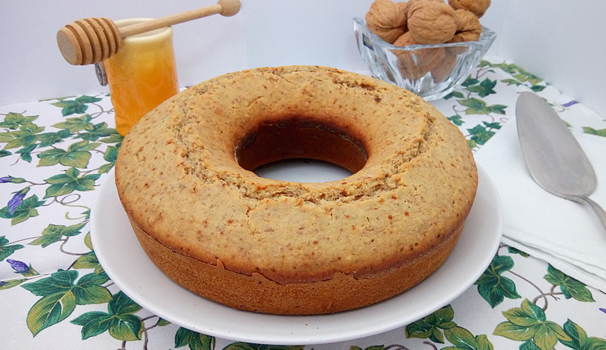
x,y
129,267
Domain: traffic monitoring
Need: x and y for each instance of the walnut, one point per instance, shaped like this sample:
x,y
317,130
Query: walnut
x,y
415,64
386,19
432,22
404,8
477,7
469,29
411,2
444,68
405,40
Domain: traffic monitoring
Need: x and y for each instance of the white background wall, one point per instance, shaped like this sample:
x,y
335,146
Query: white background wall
x,y
559,40
562,41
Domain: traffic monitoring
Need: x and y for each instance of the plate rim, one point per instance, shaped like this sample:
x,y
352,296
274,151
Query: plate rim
x,y
485,185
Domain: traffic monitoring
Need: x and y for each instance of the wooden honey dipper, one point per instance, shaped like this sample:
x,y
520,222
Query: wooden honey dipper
x,y
92,40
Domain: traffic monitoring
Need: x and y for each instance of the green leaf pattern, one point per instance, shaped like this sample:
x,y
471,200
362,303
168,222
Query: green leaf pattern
x,y
7,249
119,321
76,106
432,326
493,286
529,322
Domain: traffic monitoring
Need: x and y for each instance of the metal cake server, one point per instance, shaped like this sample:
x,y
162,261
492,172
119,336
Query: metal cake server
x,y
554,157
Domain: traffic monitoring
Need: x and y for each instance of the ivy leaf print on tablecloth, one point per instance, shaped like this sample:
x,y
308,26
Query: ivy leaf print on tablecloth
x,y
76,106
60,295
14,120
119,320
528,323
485,88
511,82
89,261
592,131
456,120
462,339
570,287
162,322
113,138
579,340
6,250
480,135
247,346
58,282
374,347
537,88
89,289
470,81
26,152
477,106
513,250
494,287
77,155
53,233
519,77
523,76
431,326
76,124
50,138
57,303
24,211
457,94
110,155
25,136
96,132
195,341
69,182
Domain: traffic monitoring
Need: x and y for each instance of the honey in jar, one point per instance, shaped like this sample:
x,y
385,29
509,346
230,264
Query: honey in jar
x,y
141,75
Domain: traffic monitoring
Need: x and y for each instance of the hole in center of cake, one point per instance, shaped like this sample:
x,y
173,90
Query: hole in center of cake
x,y
300,150
302,170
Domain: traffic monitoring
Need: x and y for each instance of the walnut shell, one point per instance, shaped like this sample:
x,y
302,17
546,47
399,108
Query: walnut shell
x,y
432,22
477,7
404,8
388,35
386,19
469,29
426,59
411,2
386,14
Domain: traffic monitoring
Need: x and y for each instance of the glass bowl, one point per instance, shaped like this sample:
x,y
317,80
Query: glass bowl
x,y
430,71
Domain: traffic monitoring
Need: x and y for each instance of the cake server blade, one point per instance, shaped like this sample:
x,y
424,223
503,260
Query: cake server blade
x,y
554,158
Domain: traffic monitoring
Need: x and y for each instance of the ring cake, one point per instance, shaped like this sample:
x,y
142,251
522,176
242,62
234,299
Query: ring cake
x,y
184,176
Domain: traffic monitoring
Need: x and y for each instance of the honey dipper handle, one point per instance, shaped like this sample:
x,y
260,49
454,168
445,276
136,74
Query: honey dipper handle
x,y
223,7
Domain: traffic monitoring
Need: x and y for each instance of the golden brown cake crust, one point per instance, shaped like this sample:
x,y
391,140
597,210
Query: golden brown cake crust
x,y
192,204
259,294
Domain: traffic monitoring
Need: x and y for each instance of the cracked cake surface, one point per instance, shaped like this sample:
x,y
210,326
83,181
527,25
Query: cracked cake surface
x,y
184,175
